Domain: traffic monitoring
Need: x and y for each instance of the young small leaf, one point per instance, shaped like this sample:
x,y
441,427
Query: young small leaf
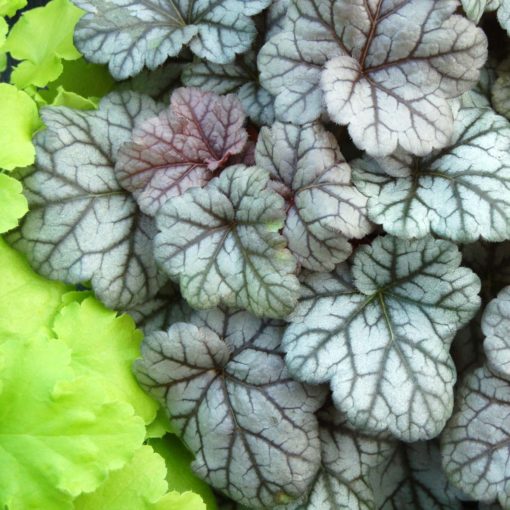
x,y
325,210
182,147
475,444
496,327
382,340
222,243
387,69
41,38
82,226
239,77
214,379
460,193
128,34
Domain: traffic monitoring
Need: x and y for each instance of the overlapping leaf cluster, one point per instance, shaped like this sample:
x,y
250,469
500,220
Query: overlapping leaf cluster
x,y
307,315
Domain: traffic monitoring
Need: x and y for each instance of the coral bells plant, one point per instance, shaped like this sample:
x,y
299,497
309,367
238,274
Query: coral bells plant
x,y
304,206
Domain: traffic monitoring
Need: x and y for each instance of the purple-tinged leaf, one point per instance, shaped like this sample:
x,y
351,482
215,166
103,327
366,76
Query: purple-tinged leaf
x,y
183,147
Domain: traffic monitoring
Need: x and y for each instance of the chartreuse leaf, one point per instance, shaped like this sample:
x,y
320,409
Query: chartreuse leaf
x,y
240,77
9,7
28,302
214,375
182,147
412,479
128,34
496,328
18,122
385,68
80,80
460,193
325,210
179,475
82,226
104,346
13,205
381,333
59,437
348,458
476,440
41,39
140,485
222,243
4,28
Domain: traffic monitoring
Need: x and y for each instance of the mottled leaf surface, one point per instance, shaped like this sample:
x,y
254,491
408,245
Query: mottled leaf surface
x,y
239,77
82,226
182,147
324,209
131,34
412,479
222,243
386,68
476,442
251,427
460,193
496,328
381,334
348,457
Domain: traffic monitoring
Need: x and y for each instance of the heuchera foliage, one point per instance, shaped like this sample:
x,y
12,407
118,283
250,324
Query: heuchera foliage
x,y
305,205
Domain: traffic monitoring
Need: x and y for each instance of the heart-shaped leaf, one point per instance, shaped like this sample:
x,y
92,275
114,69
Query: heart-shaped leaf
x,y
225,386
475,444
325,210
182,147
128,34
82,226
386,68
460,193
382,340
222,243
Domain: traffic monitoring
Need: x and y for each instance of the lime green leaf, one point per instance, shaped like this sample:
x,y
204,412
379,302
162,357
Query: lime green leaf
x,y
140,485
58,436
177,501
180,477
103,347
41,39
80,85
159,426
9,7
3,33
73,100
18,121
28,302
84,78
13,205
